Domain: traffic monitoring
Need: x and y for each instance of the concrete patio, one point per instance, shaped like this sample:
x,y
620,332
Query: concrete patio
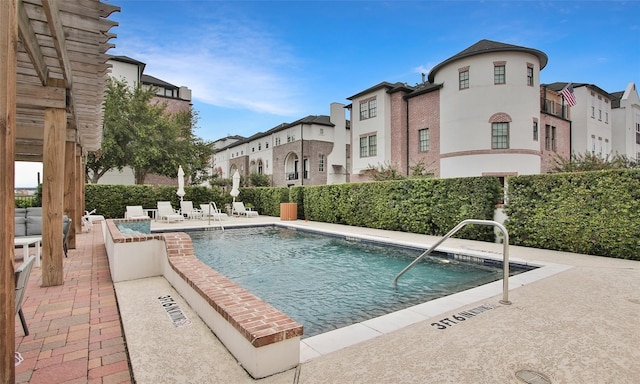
x,y
577,326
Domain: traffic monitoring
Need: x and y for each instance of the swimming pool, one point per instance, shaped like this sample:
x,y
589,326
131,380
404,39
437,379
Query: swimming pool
x,y
327,282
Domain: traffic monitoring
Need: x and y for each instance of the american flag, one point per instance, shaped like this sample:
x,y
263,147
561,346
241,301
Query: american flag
x,y
568,95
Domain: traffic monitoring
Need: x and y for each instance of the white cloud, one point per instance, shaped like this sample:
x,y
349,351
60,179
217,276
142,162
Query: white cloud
x,y
227,65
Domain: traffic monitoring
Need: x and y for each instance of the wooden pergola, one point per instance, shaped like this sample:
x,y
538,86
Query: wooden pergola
x,y
53,71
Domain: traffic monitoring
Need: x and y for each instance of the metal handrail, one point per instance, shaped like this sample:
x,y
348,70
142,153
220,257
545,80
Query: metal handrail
x,y
212,211
505,254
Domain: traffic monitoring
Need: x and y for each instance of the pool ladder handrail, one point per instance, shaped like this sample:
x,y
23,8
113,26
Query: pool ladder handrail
x,y
505,254
212,210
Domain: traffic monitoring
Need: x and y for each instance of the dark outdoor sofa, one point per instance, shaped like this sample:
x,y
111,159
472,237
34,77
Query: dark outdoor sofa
x,y
28,222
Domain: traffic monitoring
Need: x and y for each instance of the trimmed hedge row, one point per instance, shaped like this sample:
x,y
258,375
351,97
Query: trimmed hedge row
x,y
595,213
111,200
429,206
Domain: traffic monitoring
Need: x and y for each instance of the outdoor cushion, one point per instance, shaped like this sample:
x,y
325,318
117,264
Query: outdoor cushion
x,y
20,226
34,225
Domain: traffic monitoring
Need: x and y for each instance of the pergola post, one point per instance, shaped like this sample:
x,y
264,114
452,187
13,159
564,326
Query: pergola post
x,y
8,45
79,187
55,124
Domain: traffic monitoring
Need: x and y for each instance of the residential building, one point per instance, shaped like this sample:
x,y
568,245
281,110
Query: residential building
x,y
625,115
131,72
310,151
478,114
591,127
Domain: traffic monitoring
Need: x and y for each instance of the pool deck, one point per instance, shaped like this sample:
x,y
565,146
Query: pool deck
x,y
581,324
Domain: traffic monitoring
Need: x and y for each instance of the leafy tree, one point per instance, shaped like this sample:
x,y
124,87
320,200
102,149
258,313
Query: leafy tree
x,y
592,162
140,134
259,180
383,172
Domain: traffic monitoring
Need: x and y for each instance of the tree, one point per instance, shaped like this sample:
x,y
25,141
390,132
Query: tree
x,y
383,172
592,162
140,134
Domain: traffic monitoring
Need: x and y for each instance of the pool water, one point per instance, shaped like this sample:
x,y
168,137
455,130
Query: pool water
x,y
327,282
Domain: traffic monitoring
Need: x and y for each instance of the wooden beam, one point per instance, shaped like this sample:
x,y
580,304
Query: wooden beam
x,y
35,96
70,195
30,43
8,63
55,123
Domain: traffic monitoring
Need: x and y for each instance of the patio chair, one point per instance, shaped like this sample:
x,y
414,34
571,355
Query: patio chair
x,y
167,213
22,277
187,209
66,224
212,210
240,210
135,212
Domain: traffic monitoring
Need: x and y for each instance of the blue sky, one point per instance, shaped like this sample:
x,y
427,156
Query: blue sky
x,y
252,65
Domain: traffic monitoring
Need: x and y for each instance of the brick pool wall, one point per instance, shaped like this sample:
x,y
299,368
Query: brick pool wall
x,y
260,323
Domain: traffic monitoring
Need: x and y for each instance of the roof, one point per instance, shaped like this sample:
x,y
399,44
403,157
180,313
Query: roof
x,y
488,46
376,87
61,63
559,86
146,79
311,119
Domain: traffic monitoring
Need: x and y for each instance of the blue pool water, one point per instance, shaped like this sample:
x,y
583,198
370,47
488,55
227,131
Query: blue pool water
x,y
326,282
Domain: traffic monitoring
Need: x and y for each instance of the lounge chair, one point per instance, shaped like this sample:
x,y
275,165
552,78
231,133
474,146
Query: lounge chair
x,y
167,213
22,277
135,212
212,210
240,210
187,209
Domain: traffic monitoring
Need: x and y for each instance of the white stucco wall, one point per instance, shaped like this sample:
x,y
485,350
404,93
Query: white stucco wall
x,y
625,120
465,115
379,125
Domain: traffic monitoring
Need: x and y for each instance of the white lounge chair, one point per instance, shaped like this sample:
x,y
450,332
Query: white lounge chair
x,y
240,210
22,277
187,209
135,212
212,210
167,213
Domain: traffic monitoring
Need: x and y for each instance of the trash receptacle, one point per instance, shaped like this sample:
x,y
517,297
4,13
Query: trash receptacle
x,y
288,211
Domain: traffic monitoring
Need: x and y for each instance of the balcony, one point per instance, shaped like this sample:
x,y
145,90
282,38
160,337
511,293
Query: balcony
x,y
552,108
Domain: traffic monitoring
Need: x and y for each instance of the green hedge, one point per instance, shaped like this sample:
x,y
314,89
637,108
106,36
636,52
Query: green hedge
x,y
595,213
111,200
429,206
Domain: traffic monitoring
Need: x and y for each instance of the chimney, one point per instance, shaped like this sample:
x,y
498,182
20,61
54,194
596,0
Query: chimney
x,y
423,77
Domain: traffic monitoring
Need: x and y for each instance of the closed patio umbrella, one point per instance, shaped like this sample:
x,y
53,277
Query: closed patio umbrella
x,y
180,191
235,185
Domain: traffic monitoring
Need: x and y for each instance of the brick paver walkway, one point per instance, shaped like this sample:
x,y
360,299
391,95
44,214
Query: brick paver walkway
x,y
75,332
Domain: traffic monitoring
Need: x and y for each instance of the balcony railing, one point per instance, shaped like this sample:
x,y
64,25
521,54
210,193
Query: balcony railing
x,y
552,108
292,176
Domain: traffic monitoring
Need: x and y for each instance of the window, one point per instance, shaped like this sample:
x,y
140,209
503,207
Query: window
x,y
499,74
553,138
606,117
260,167
259,146
368,108
463,77
593,144
423,139
253,149
530,75
593,112
266,145
305,168
600,146
547,137
320,162
368,146
321,131
500,135
535,131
